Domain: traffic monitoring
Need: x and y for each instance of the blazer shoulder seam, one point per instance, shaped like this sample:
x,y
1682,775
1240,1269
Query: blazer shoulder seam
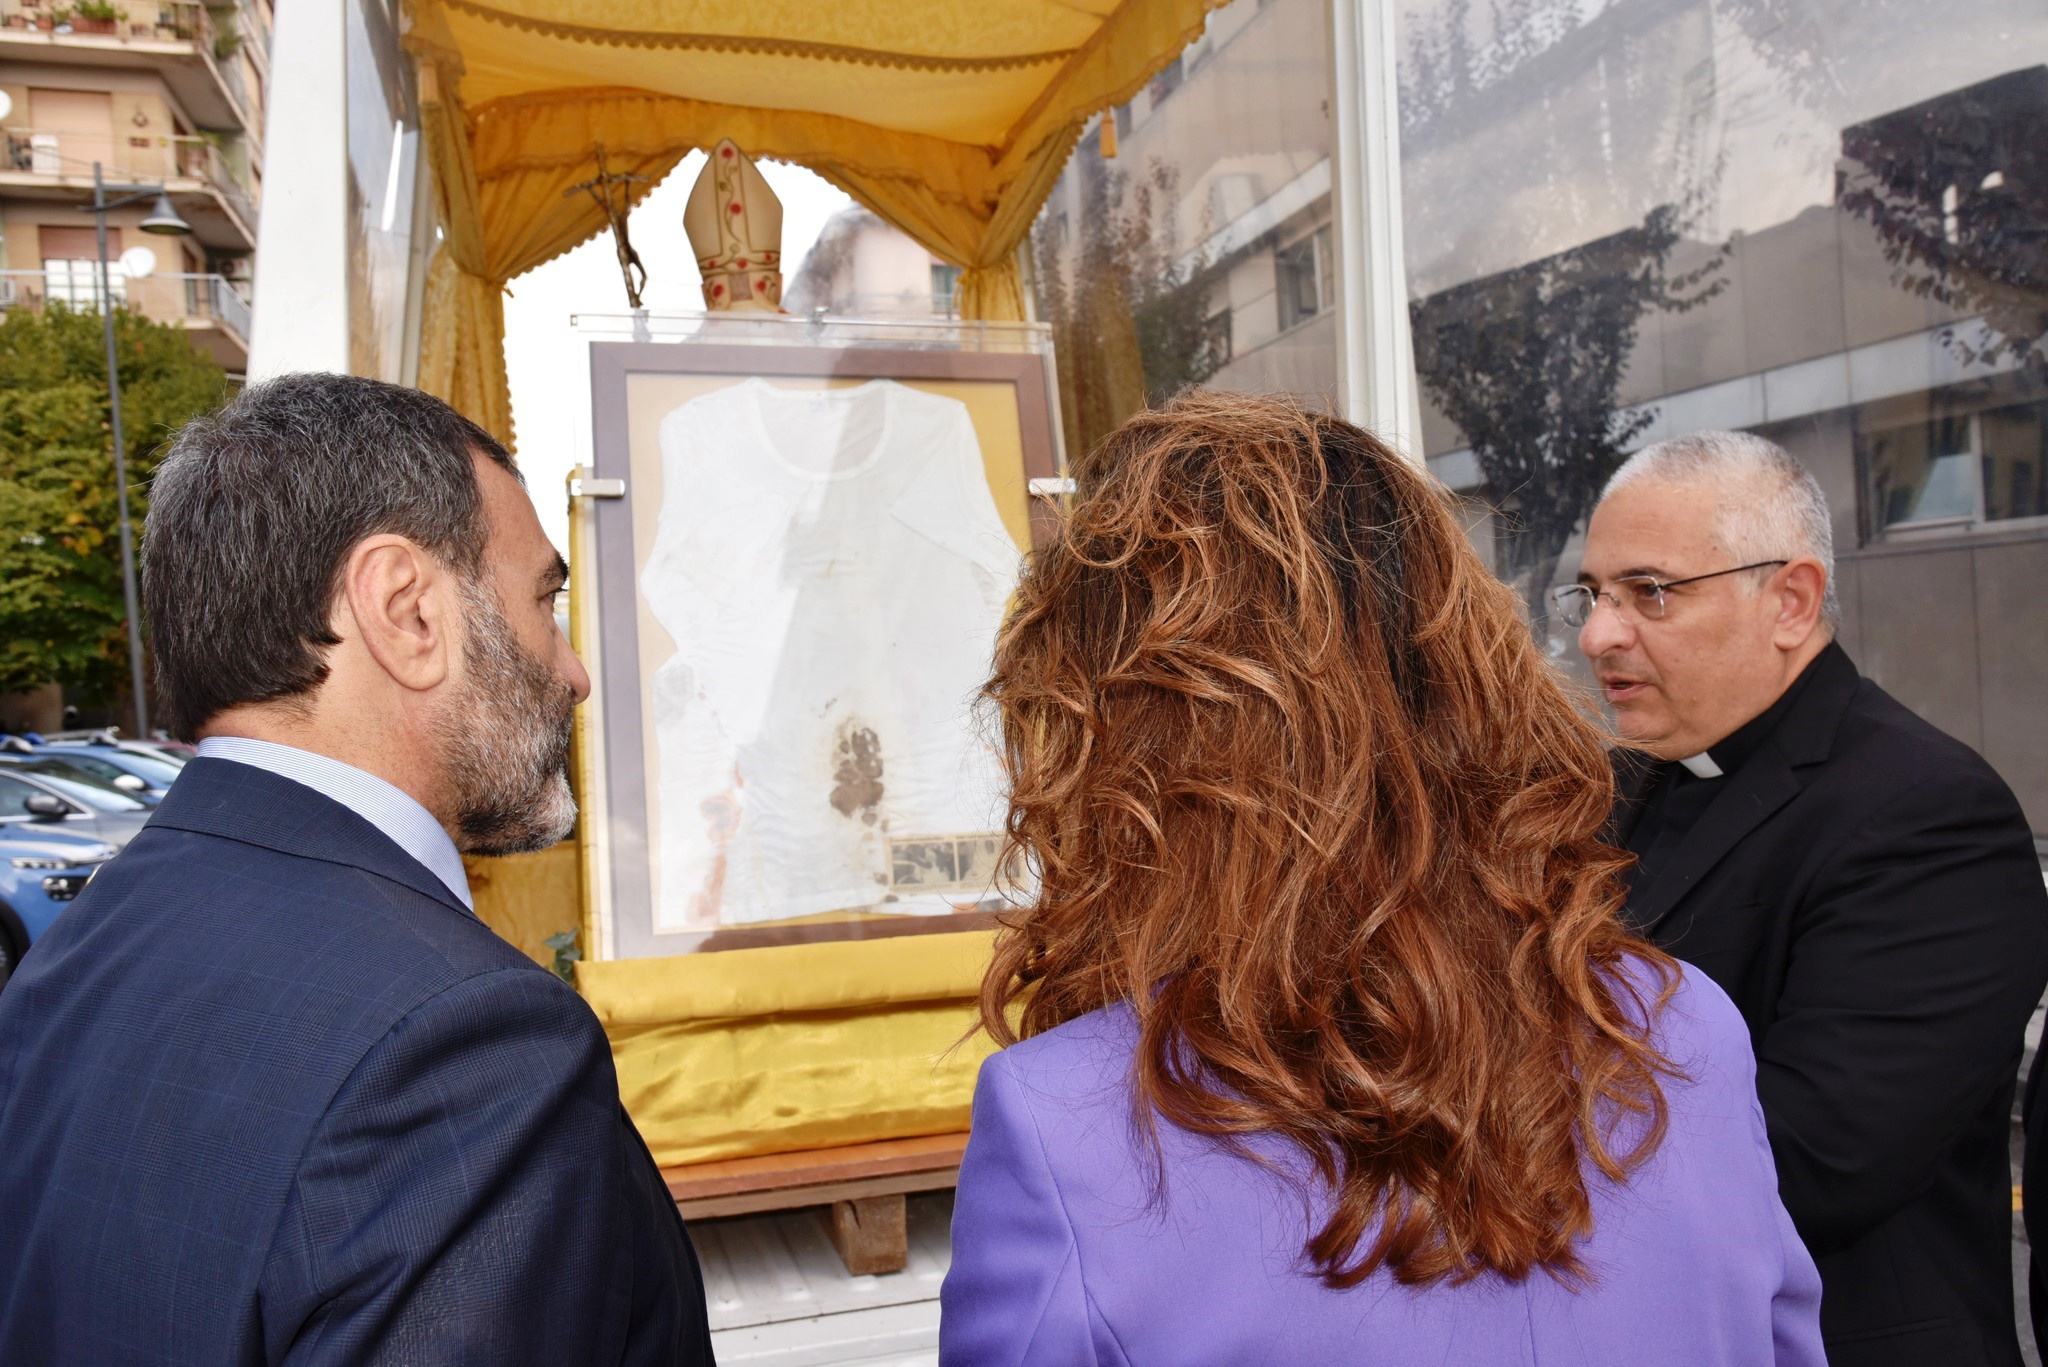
x,y
1928,790
208,833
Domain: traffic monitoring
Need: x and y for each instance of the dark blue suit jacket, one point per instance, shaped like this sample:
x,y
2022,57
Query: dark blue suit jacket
x,y
269,1093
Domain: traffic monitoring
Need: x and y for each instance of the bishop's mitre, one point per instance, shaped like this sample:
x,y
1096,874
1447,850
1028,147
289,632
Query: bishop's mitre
x,y
735,225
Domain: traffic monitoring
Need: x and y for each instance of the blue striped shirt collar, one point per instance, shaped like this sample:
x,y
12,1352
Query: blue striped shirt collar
x,y
389,808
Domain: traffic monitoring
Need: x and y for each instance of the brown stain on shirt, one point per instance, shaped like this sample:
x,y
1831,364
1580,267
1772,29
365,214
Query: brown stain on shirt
x,y
857,781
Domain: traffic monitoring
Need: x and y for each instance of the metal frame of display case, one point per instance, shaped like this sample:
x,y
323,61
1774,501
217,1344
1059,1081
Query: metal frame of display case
x,y
614,833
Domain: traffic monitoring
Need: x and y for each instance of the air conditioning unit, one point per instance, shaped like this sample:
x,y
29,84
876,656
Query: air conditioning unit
x,y
44,159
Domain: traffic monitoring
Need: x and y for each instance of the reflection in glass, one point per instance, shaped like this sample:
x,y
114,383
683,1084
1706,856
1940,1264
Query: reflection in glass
x,y
1922,472
383,145
1188,241
1627,220
2015,454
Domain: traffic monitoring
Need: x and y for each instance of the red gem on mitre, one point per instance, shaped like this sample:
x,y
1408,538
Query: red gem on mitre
x,y
725,152
735,207
741,263
718,289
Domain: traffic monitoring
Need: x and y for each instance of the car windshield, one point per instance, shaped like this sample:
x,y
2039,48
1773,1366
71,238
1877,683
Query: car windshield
x,y
81,787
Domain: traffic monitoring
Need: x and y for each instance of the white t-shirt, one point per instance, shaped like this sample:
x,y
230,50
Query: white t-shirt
x,y
832,568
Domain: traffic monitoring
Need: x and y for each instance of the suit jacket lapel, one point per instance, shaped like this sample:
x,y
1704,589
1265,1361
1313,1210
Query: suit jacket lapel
x,y
1635,774
1763,785
1767,781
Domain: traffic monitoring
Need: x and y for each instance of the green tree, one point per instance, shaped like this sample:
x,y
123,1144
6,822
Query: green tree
x,y
1528,363
1128,303
62,617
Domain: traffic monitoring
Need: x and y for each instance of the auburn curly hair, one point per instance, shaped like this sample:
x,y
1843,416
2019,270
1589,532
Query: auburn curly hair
x,y
1293,781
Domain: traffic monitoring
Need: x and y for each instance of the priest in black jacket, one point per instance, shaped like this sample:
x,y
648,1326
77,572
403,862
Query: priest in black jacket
x,y
1863,886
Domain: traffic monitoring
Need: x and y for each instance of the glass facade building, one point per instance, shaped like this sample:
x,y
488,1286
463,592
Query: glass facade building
x,y
1822,220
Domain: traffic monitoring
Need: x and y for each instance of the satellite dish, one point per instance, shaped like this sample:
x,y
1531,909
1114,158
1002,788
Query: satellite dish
x,y
138,262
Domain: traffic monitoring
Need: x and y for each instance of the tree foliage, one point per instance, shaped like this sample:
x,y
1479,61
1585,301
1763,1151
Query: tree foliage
x,y
1528,363
62,617
1128,303
1957,189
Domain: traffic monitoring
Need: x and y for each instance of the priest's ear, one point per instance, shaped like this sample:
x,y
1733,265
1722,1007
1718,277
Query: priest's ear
x,y
1800,591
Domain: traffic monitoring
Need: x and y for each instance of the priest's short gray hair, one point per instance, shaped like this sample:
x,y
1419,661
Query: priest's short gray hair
x,y
1772,507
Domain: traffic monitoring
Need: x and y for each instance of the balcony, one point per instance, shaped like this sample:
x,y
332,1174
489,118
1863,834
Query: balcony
x,y
210,307
177,39
35,164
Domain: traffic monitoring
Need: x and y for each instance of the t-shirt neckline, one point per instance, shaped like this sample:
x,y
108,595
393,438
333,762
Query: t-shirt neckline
x,y
760,391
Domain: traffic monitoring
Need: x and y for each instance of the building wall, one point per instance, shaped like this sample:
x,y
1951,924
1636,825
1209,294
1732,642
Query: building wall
x,y
122,107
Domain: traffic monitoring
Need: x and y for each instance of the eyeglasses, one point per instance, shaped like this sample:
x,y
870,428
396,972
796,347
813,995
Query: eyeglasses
x,y
1636,594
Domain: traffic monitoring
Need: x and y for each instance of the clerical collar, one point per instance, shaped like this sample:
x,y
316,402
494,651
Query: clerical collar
x,y
1730,754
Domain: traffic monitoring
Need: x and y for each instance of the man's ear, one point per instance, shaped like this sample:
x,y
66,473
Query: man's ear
x,y
399,601
1801,590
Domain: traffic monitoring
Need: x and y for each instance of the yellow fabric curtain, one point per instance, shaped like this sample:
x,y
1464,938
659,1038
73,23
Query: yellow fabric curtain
x,y
757,1051
951,119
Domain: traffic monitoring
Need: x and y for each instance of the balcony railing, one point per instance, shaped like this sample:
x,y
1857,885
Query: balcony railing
x,y
173,21
164,21
167,297
71,155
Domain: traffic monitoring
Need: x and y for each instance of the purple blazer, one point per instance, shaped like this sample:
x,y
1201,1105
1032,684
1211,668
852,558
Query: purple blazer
x,y
1060,1256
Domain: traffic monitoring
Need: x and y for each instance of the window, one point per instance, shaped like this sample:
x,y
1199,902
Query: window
x,y
1958,469
14,796
1216,336
77,283
2013,444
85,792
945,287
1165,83
1306,282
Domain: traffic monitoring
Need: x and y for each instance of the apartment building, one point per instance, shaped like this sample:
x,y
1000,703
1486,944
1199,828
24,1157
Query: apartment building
x,y
158,93
861,267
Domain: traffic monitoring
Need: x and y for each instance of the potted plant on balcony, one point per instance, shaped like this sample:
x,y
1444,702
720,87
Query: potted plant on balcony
x,y
97,16
57,21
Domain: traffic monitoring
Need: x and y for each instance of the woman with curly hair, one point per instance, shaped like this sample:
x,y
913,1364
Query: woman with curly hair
x,y
1323,1042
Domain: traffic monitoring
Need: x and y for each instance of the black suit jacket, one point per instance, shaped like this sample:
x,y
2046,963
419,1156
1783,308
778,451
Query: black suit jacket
x,y
269,1093
1865,888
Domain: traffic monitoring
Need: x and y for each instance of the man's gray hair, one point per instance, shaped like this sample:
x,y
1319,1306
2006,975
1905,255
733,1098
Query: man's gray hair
x,y
1772,507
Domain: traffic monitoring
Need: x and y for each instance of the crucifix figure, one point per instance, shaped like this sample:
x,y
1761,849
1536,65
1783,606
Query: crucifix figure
x,y
615,210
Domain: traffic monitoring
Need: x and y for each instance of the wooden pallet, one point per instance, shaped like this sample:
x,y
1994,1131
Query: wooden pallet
x,y
858,1188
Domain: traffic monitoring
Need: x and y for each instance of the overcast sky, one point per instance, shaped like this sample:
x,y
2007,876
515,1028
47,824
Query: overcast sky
x,y
546,359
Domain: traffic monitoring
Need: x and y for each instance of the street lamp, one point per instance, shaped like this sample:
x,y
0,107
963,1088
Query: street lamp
x,y
163,220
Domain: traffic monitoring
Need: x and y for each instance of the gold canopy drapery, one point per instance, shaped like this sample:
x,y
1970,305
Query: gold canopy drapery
x,y
950,119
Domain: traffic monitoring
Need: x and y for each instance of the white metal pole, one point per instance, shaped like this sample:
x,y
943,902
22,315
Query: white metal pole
x,y
301,303
1375,356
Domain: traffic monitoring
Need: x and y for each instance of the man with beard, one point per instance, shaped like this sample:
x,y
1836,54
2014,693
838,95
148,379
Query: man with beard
x,y
1861,885
269,1091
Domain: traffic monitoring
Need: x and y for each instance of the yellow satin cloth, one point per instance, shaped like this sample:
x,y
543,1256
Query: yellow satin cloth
x,y
950,119
753,1051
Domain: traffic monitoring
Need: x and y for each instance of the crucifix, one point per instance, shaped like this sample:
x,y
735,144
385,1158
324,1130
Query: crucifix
x,y
600,189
